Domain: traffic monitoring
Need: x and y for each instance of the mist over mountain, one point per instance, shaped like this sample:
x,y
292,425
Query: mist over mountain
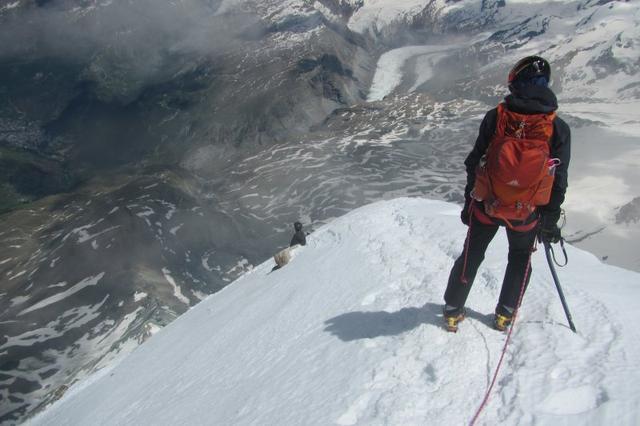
x,y
151,153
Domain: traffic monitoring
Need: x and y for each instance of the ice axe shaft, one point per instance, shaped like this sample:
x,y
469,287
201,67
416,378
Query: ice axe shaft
x,y
547,252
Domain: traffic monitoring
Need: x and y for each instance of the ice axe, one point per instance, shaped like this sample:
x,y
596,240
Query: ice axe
x,y
551,259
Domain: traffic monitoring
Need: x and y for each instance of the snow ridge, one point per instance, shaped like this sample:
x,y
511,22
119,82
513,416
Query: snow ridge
x,y
357,314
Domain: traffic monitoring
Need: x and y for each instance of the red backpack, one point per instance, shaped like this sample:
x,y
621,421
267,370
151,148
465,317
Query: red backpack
x,y
516,173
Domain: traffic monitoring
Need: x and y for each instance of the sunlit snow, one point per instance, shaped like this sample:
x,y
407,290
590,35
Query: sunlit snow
x,y
350,332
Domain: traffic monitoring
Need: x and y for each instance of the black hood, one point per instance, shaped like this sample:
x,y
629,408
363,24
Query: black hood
x,y
531,100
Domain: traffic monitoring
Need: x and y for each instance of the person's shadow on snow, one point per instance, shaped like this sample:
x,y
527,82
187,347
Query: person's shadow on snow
x,y
367,325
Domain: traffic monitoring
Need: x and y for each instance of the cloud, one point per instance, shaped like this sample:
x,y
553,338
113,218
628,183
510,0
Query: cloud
x,y
137,40
62,28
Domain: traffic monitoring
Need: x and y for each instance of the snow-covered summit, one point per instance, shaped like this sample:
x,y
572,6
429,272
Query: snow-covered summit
x,y
350,333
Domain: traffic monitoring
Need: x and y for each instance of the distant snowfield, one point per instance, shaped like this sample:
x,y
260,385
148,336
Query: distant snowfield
x,y
350,333
380,13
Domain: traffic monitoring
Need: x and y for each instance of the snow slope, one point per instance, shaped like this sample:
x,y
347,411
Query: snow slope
x,y
350,333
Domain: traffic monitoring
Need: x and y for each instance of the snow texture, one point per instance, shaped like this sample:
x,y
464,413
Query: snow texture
x,y
350,333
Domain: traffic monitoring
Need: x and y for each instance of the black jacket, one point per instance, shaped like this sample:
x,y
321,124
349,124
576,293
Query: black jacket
x,y
298,238
528,100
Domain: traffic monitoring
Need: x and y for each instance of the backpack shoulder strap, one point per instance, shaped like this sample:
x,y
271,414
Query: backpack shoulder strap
x,y
501,119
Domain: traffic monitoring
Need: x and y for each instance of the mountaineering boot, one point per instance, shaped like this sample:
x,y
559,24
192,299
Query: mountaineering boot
x,y
501,322
503,317
452,316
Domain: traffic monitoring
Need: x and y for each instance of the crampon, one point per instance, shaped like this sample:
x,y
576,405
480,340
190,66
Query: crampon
x,y
451,321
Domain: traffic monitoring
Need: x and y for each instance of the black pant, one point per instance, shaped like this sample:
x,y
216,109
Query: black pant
x,y
465,267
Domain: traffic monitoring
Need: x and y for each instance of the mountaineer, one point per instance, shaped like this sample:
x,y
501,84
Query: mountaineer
x,y
516,178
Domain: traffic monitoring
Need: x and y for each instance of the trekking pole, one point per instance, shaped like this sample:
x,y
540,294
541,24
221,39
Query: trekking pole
x,y
547,252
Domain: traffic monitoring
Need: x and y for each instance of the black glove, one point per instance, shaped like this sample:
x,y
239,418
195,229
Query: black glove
x,y
549,231
464,214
